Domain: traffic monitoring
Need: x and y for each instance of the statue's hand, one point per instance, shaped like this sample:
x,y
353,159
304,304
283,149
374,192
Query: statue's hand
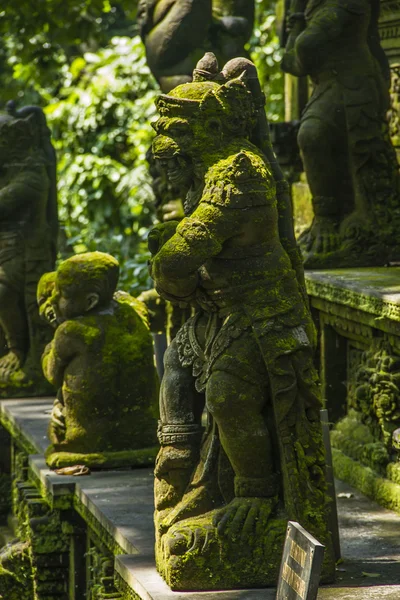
x,y
172,211
160,234
244,518
171,458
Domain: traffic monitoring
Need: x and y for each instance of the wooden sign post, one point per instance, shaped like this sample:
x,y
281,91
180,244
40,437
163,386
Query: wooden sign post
x,y
301,565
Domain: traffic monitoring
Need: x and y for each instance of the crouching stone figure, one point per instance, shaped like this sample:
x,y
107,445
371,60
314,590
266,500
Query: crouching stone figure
x,y
244,361
101,361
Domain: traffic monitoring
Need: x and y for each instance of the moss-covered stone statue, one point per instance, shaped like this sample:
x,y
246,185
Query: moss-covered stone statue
x,y
101,359
344,141
28,234
224,493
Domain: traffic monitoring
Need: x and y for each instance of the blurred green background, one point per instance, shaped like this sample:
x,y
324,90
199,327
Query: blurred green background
x,y
83,61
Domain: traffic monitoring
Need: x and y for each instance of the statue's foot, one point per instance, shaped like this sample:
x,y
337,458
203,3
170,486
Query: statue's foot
x,y
196,501
321,238
193,555
196,537
244,518
10,363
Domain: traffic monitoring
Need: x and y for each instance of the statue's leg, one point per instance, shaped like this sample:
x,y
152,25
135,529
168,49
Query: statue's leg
x,y
237,396
324,151
14,324
236,406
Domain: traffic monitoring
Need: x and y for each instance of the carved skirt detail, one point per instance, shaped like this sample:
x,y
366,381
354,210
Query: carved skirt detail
x,y
202,354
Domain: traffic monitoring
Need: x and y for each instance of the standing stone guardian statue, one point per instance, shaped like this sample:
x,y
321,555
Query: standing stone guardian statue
x,y
28,237
241,443
344,140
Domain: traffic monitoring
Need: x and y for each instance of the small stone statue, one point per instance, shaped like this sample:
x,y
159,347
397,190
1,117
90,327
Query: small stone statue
x,y
349,161
28,235
101,361
223,495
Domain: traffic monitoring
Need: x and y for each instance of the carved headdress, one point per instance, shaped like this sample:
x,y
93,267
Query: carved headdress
x,y
210,95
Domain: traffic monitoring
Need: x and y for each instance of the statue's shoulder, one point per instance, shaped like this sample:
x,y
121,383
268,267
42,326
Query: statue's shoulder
x,y
130,308
240,180
82,329
356,7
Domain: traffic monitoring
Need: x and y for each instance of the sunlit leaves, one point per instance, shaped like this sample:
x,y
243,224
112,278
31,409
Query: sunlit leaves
x,y
101,124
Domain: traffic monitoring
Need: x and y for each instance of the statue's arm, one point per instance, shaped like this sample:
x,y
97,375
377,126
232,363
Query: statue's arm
x,y
308,50
179,27
14,196
65,346
197,239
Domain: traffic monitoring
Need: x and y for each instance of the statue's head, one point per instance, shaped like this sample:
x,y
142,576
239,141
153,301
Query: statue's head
x,y
21,133
198,119
83,283
45,289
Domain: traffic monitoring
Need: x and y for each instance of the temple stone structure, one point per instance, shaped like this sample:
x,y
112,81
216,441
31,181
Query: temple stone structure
x,y
357,312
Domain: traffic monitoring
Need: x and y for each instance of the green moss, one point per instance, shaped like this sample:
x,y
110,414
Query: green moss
x,y
383,491
143,457
107,406
15,572
85,270
126,591
355,439
215,563
5,493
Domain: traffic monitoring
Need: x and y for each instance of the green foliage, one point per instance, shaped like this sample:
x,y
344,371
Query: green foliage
x,y
266,54
82,60
101,124
39,37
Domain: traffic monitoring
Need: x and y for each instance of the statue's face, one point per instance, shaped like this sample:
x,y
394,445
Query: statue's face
x,y
44,292
68,305
173,148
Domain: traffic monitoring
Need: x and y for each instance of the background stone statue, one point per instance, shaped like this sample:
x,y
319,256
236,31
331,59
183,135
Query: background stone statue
x,y
28,237
347,154
176,34
101,361
223,496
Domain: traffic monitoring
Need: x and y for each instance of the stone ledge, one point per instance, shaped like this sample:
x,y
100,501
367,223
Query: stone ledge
x,y
383,491
26,419
375,291
140,575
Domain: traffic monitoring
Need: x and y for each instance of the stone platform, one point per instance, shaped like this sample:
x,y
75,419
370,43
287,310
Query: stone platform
x,y
357,312
109,519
